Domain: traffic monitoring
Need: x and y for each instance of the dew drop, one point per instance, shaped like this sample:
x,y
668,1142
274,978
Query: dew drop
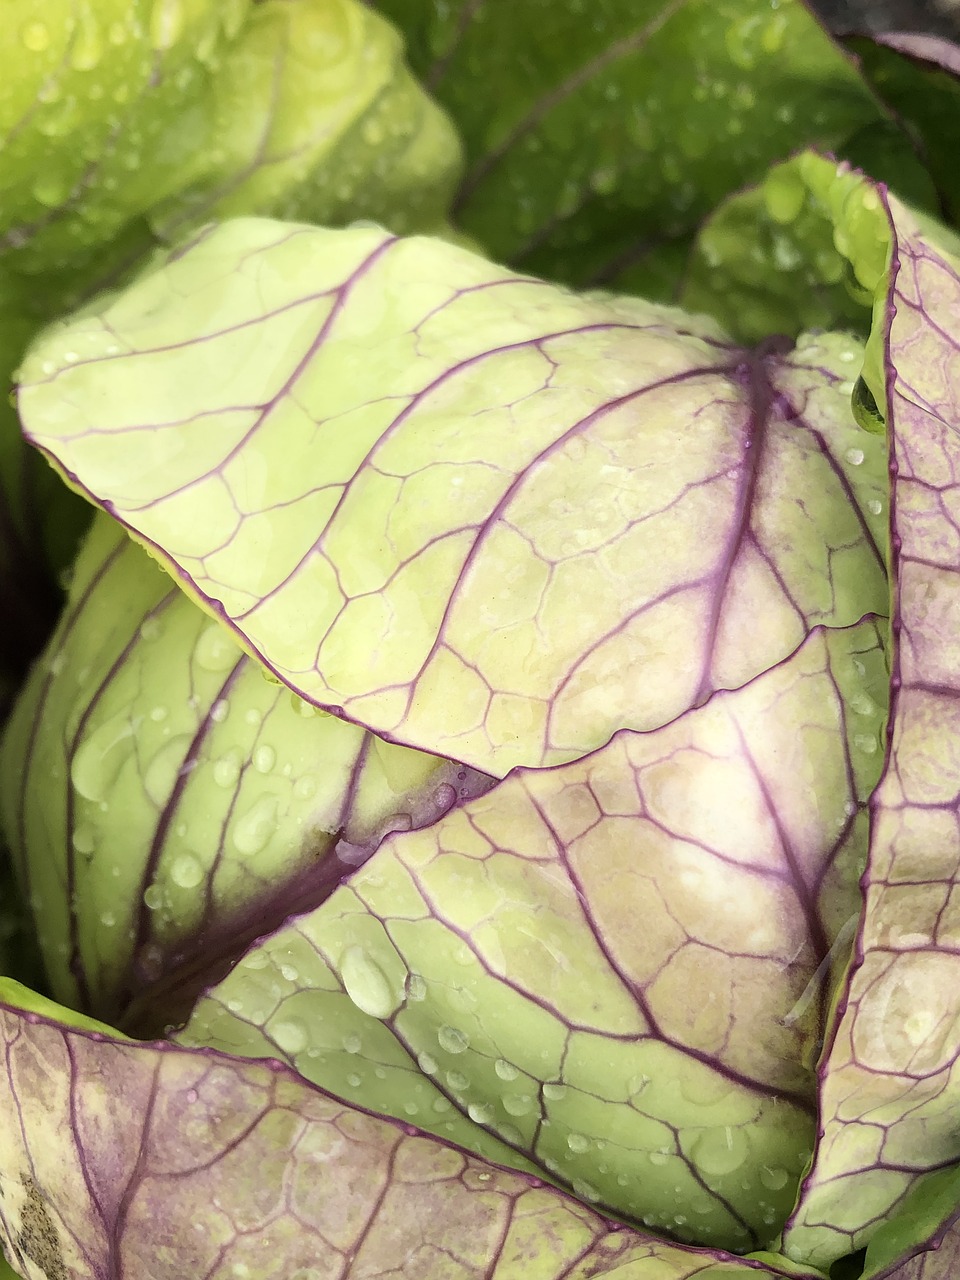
x,y
215,650
352,1043
874,506
854,457
226,771
354,1080
720,1151
87,48
578,1143
427,1065
480,1112
505,1070
219,711
453,1040
153,897
264,758
458,1081
108,919
290,1035
773,1179
416,987
35,36
517,1104
186,871
554,1092
166,23
50,191
253,832
99,759
865,742
84,838
367,985
658,1158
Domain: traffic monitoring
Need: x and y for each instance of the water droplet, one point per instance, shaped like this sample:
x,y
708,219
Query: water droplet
x,y
186,871
720,1151
108,919
452,1039
99,758
354,1079
305,787
367,985
84,838
416,987
874,506
659,1157
427,1065
264,758
352,1043
35,37
517,1104
554,1092
153,897
215,650
505,1070
166,23
219,711
302,708
161,774
50,191
226,771
854,457
773,1179
290,1035
866,742
87,47
480,1112
578,1143
253,832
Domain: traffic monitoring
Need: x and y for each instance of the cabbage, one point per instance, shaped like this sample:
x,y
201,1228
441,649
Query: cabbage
x,y
487,806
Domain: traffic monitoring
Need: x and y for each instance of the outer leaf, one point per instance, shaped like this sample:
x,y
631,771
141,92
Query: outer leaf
x,y
919,76
167,805
489,968
316,116
149,1160
890,1081
94,90
614,134
411,547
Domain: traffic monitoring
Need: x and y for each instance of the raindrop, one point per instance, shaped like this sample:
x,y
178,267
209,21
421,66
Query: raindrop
x,y
866,742
166,23
291,1035
87,48
352,1043
354,1080
505,1070
35,37
186,871
226,771
50,191
427,1065
720,1151
367,985
659,1157
219,711
84,838
99,759
452,1040
854,457
264,758
215,650
517,1104
305,787
416,987
578,1143
773,1179
253,832
554,1092
874,506
458,1081
108,919
153,897
480,1112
